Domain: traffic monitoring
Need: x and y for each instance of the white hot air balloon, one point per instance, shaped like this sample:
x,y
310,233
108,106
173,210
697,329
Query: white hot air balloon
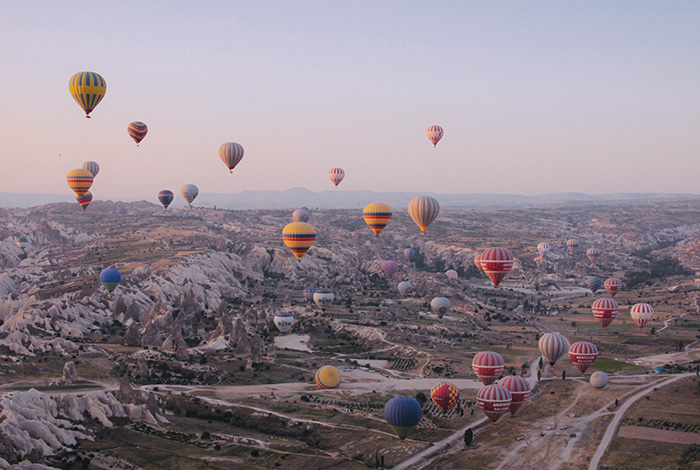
x,y
189,192
405,288
284,321
440,306
323,298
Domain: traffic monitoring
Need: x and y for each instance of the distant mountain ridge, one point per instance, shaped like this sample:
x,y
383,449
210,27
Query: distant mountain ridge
x,y
340,199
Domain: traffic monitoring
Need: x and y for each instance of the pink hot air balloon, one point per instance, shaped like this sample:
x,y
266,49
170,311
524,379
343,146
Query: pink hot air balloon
x,y
336,175
390,268
583,354
605,310
488,366
613,285
496,263
494,400
641,314
519,390
435,133
452,274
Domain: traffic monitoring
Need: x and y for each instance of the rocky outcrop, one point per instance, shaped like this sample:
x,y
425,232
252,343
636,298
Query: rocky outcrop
x,y
70,374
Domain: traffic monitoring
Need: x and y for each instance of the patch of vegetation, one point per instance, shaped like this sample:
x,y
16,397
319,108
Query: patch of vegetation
x,y
659,269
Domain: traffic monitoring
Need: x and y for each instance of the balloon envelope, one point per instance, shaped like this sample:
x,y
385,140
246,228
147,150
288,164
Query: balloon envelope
x,y
189,192
403,414
583,354
22,243
309,293
165,197
593,283
137,131
440,306
79,181
231,154
572,244
641,314
377,216
605,310
552,346
301,215
110,278
408,253
323,298
599,379
494,400
423,210
298,236
445,395
435,133
497,263
88,89
543,248
519,390
390,268
405,288
452,274
284,321
327,377
488,366
336,175
593,254
613,285
92,167
84,200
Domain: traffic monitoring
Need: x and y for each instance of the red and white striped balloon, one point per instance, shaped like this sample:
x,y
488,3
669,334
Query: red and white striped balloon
x,y
583,354
519,390
494,400
435,133
641,314
231,154
488,366
552,346
605,310
613,285
477,262
497,263
336,175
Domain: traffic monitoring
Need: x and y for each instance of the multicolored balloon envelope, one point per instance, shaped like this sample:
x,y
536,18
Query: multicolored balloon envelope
x,y
552,346
377,216
423,210
488,366
572,244
323,298
22,243
189,193
605,310
435,133
494,400
440,306
583,354
231,154
593,254
137,131
408,253
327,377
336,175
593,283
445,395
519,390
543,248
92,167
390,268
165,197
88,89
497,263
284,321
641,314
79,181
84,200
613,285
110,278
403,414
299,236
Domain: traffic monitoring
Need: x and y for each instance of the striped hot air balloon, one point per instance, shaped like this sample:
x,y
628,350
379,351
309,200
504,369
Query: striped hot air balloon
x,y
408,253
552,346
583,354
435,133
84,200
488,366
445,395
402,414
605,310
302,214
137,131
110,278
641,314
299,236
79,181
390,268
377,216
519,390
440,306
231,154
92,167
613,285
593,283
88,89
496,263
572,244
494,400
423,210
543,248
165,197
327,377
336,175
477,262
593,254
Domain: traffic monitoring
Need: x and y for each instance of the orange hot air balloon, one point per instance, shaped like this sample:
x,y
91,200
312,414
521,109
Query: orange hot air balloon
x,y
496,262
423,210
299,236
445,395
377,216
79,181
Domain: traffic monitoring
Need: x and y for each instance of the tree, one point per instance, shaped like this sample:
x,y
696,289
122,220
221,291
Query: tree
x,y
421,398
539,375
468,437
563,375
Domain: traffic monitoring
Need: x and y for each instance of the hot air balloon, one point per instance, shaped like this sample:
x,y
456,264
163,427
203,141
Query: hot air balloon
x,y
496,263
583,354
605,310
189,193
572,244
79,181
613,285
494,400
231,154
299,236
519,390
543,248
477,262
323,298
599,379
552,346
110,278
165,197
84,200
88,89
137,131
92,167
309,293
593,283
445,395
377,216
641,314
423,210
327,377
284,321
403,414
22,243
488,366
408,253
336,175
405,288
452,275
301,215
593,254
435,133
440,306
390,268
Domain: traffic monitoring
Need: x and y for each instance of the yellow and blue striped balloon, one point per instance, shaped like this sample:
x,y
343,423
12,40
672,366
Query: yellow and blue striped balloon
x,y
377,216
137,131
79,181
88,89
299,236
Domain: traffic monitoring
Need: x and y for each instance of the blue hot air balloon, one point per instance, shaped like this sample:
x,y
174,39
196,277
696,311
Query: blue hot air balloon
x,y
402,414
110,278
593,283
408,253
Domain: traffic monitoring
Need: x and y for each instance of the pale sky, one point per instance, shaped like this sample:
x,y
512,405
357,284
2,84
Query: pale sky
x,y
534,97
